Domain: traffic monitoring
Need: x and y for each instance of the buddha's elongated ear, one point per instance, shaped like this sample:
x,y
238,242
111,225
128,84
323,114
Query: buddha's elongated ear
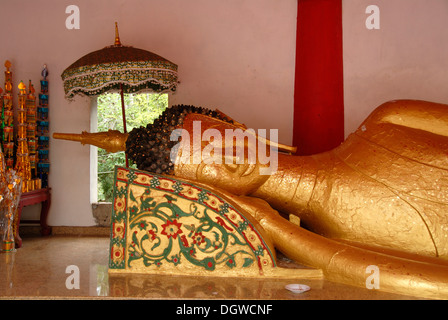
x,y
208,122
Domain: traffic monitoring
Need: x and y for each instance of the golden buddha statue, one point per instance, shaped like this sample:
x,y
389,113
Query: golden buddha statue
x,y
378,199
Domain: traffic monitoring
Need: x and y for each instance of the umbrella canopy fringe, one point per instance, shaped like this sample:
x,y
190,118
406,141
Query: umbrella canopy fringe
x,y
147,86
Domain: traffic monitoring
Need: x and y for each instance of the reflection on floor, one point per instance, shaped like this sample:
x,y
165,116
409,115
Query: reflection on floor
x,y
45,267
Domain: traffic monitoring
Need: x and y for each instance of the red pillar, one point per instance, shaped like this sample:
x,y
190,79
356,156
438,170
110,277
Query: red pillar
x,y
319,93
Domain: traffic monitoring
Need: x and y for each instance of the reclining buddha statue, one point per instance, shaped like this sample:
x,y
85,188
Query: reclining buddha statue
x,y
379,199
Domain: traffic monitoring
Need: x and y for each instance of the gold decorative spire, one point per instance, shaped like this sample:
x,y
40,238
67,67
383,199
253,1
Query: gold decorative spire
x,y
7,65
117,36
8,77
22,87
31,89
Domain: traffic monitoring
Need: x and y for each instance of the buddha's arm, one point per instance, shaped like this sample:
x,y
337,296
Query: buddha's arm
x,y
342,262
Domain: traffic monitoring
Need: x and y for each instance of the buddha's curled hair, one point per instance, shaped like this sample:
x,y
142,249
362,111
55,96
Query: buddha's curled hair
x,y
150,147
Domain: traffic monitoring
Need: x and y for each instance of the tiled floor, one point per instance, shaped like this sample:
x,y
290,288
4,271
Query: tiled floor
x,y
44,268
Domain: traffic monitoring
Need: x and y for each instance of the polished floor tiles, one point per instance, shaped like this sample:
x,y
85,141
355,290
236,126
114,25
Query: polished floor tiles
x,y
70,267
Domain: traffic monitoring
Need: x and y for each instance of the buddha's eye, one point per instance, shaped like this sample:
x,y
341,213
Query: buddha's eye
x,y
232,167
249,169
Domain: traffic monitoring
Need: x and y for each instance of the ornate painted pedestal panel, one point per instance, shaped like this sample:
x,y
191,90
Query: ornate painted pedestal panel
x,y
164,225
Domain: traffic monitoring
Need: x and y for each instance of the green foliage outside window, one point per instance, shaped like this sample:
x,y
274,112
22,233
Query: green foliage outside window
x,y
141,109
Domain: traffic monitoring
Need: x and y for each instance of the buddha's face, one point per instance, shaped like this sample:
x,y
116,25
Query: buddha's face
x,y
238,175
208,154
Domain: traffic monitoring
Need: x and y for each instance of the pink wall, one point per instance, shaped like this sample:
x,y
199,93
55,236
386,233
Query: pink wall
x,y
406,58
237,55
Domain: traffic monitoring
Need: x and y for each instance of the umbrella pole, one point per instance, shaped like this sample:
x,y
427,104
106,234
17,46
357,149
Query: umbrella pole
x,y
124,118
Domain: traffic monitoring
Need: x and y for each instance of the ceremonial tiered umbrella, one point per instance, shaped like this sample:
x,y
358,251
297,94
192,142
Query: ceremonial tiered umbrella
x,y
119,68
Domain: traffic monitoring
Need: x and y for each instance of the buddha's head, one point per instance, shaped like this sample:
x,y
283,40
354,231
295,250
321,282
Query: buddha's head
x,y
198,144
206,146
222,154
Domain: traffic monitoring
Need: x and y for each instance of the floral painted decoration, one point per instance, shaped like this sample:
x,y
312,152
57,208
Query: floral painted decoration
x,y
165,225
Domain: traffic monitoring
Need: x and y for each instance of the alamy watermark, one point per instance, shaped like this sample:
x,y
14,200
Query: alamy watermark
x,y
73,20
373,280
373,20
235,147
72,281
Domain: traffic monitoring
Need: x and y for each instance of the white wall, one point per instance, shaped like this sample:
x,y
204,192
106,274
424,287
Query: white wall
x,y
406,58
237,55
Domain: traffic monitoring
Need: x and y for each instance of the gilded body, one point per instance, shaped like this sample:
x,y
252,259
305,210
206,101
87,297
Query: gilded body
x,y
384,186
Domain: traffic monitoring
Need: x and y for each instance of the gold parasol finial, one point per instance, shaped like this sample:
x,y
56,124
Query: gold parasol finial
x,y
111,141
117,36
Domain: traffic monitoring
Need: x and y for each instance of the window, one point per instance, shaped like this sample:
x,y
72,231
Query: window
x,y
140,109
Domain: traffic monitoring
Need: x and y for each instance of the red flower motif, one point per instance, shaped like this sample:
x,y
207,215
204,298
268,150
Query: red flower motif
x,y
171,229
198,238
